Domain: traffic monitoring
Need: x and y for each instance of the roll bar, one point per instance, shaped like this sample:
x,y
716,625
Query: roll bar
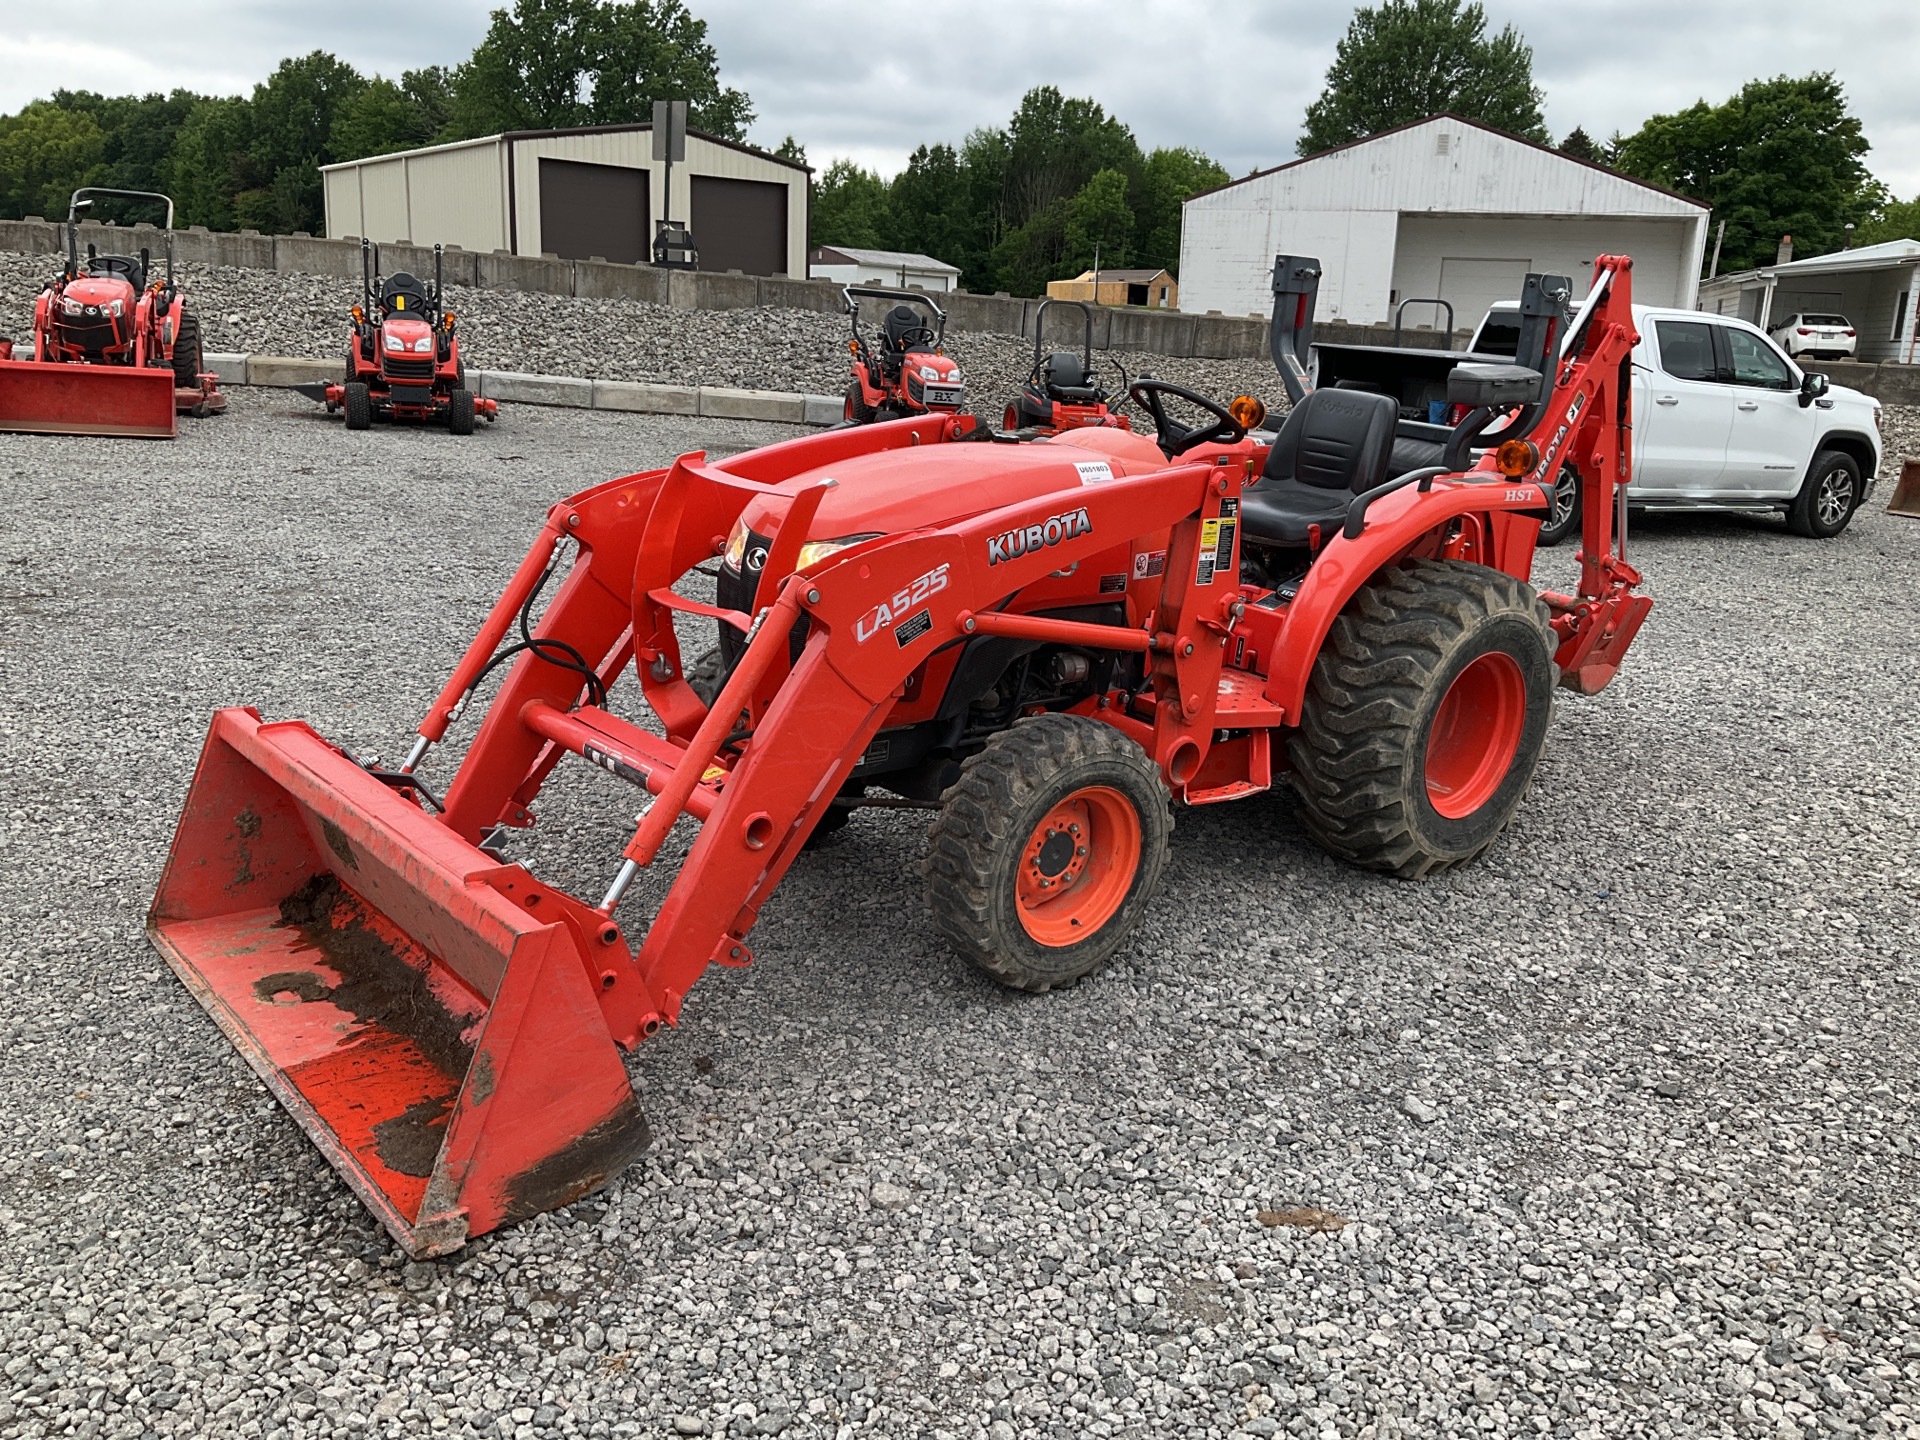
x,y
75,204
853,293
1296,290
1039,331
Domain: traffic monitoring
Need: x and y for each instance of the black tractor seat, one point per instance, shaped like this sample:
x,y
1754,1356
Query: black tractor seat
x,y
123,267
905,331
405,293
1066,380
1335,445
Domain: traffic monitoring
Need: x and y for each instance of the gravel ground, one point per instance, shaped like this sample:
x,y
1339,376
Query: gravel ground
x,y
263,312
1610,1134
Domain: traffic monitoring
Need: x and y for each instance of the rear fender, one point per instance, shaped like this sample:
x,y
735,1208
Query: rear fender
x,y
1396,526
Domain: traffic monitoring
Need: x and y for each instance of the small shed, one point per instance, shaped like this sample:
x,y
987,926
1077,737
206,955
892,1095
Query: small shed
x,y
1445,208
852,265
1153,289
1877,288
580,194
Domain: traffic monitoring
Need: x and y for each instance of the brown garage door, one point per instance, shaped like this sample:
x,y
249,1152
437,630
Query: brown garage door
x,y
588,210
740,225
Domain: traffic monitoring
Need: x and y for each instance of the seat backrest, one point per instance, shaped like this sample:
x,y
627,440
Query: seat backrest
x,y
402,284
1063,371
905,328
1336,440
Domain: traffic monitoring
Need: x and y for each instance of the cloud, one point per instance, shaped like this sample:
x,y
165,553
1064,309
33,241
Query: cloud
x,y
1230,77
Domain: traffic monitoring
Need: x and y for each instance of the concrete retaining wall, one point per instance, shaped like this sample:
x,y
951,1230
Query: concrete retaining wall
x,y
1887,382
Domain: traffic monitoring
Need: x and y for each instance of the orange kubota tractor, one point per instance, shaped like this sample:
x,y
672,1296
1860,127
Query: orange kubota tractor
x,y
1048,643
905,370
1062,390
116,351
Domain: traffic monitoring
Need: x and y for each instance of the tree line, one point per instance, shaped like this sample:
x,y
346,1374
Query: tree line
x,y
253,161
1017,207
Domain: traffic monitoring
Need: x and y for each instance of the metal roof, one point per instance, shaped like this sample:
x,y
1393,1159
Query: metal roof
x,y
1887,255
894,259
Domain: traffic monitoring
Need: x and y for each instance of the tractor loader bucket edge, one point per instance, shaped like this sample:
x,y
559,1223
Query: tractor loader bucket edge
x,y
46,398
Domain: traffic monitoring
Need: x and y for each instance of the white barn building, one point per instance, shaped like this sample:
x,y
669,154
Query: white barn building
x,y
849,265
1445,209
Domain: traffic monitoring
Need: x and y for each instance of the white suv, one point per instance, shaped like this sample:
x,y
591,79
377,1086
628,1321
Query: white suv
x,y
1722,420
1824,337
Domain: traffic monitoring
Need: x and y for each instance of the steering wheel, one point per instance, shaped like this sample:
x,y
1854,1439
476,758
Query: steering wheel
x,y
907,339
1176,439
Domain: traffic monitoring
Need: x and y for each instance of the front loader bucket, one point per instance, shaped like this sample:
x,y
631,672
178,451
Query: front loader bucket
x,y
1906,491
72,399
419,1008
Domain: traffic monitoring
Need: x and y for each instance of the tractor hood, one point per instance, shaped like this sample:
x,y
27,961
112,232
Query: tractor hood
x,y
895,491
98,291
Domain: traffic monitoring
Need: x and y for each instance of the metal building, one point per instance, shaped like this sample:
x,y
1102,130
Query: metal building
x,y
1877,288
1444,208
579,194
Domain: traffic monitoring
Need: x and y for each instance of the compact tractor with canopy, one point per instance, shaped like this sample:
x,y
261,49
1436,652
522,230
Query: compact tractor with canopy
x,y
1047,643
403,357
116,351
907,370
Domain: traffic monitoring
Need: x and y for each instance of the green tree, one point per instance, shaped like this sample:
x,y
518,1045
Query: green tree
x,y
927,207
1895,220
378,121
1403,60
1172,178
551,64
791,149
1099,225
1582,146
140,135
212,164
850,207
292,118
1782,157
46,153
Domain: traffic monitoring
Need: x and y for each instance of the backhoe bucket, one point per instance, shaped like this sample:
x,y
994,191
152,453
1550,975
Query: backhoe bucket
x,y
73,399
426,1013
1906,491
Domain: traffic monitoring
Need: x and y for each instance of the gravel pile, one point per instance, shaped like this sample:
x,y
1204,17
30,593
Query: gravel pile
x,y
1611,1134
263,312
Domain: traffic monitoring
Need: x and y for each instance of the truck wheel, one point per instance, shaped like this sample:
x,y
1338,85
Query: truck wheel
x,y
1048,850
1565,519
359,407
1424,717
1827,501
460,412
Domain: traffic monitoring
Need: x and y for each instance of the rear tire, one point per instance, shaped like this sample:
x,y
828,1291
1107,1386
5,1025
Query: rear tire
x,y
1827,501
856,410
1048,850
1424,718
460,412
187,360
358,404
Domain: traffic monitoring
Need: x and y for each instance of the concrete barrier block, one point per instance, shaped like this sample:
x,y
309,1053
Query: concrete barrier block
x,y
457,267
822,297
502,271
988,314
723,292
306,255
534,389
722,403
607,280
1226,337
248,250
30,237
823,409
232,369
285,370
645,399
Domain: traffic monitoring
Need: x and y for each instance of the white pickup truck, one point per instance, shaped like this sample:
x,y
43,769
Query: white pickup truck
x,y
1722,419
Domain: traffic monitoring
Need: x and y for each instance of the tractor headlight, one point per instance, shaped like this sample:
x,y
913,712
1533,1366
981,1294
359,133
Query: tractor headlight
x,y
394,342
736,550
117,307
814,551
72,307
423,345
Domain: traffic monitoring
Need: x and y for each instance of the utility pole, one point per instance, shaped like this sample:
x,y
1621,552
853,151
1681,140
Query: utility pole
x,y
1714,269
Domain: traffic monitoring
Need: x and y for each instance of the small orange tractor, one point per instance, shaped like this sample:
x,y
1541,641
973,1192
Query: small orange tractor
x,y
907,370
115,350
403,357
1049,644
1062,390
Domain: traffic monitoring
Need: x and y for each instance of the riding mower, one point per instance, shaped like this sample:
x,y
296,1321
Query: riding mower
x,y
1045,643
908,372
403,357
1062,392
115,351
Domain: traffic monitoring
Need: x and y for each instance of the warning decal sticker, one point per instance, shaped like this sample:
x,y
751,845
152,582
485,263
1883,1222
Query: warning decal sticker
x,y
1113,584
1149,563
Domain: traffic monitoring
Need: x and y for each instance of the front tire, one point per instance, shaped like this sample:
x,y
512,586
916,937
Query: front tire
x,y
187,360
1048,850
1827,501
1424,718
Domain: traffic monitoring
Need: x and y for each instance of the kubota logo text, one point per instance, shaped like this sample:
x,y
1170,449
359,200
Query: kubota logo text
x,y
1051,531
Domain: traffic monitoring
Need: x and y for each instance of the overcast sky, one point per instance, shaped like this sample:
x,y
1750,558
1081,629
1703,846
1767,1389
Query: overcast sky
x,y
872,81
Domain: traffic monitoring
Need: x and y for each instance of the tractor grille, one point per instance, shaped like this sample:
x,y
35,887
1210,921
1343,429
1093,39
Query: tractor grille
x,y
90,333
396,368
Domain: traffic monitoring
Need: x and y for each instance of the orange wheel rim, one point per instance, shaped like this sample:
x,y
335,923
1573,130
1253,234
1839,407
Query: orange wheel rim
x,y
1475,735
1077,866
